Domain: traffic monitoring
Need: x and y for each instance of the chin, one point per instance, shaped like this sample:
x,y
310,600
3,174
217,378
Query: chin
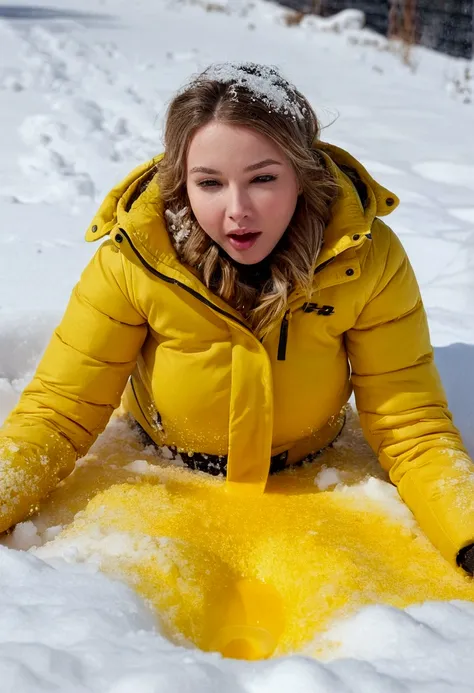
x,y
246,259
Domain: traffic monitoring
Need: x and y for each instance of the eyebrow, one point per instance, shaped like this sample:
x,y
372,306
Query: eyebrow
x,y
252,167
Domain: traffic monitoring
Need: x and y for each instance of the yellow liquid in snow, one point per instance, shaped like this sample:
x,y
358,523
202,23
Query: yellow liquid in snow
x,y
249,577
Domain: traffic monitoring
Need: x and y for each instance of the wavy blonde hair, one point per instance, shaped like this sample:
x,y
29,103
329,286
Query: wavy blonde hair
x,y
290,123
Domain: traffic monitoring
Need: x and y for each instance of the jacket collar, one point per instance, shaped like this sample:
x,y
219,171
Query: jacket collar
x,y
350,217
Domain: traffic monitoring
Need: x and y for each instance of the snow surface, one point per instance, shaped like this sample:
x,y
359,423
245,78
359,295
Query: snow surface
x,y
104,641
83,91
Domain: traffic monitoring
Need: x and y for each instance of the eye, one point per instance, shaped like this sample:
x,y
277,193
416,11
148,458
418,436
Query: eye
x,y
264,179
208,184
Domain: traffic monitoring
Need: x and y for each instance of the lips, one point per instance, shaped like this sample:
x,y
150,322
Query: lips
x,y
243,240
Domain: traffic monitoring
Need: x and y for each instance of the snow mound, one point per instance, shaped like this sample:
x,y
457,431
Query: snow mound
x,y
66,627
346,20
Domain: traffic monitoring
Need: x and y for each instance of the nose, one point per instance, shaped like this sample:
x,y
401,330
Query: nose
x,y
238,206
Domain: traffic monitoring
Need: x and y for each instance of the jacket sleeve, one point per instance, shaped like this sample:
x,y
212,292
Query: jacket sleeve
x,y
77,385
402,404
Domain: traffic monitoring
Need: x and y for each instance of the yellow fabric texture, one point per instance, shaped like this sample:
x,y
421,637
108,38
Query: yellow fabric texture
x,y
141,324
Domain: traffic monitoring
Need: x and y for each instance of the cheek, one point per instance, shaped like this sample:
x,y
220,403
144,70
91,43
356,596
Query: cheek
x,y
205,210
278,209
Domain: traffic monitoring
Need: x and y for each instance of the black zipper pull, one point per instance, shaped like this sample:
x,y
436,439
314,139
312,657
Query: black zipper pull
x,y
283,337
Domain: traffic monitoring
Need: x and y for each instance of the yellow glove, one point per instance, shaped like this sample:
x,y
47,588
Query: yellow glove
x,y
27,474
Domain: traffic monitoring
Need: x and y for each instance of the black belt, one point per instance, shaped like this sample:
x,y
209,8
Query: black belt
x,y
216,465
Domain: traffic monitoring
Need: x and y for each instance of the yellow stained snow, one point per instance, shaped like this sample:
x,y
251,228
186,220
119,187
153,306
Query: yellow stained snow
x,y
306,556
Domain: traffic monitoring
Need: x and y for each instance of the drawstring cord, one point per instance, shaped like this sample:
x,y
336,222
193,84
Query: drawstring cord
x,y
283,336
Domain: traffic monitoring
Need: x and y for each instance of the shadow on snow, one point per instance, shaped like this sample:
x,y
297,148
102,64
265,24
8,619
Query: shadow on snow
x,y
27,12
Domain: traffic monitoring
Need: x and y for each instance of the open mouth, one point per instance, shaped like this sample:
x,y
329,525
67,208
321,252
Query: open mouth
x,y
243,241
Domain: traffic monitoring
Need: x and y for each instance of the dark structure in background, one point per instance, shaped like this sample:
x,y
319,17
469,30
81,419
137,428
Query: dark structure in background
x,y
445,25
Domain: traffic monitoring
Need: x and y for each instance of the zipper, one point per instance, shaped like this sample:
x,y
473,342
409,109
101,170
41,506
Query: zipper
x,y
283,341
176,282
137,400
324,264
285,323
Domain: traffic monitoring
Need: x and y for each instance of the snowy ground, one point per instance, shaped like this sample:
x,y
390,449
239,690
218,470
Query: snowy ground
x,y
83,89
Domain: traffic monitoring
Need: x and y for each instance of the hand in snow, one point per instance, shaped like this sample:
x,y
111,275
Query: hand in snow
x,y
27,475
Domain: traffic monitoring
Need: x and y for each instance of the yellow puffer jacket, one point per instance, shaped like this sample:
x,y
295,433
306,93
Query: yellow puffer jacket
x,y
202,381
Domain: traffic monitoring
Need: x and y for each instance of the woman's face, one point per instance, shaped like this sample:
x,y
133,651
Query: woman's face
x,y
242,189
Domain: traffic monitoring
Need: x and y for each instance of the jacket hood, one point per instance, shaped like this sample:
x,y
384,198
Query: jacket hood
x,y
360,200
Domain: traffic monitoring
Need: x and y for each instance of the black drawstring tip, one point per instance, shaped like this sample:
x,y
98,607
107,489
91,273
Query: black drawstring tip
x,y
283,338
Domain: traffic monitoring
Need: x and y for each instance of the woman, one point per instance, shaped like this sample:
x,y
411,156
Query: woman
x,y
246,286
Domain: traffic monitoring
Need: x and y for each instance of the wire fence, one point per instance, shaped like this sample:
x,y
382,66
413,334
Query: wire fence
x,y
444,25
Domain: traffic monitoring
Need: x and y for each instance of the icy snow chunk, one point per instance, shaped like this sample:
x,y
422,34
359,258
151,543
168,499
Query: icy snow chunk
x,y
384,493
327,477
139,467
24,536
263,81
51,532
98,546
166,453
